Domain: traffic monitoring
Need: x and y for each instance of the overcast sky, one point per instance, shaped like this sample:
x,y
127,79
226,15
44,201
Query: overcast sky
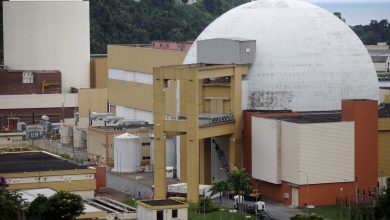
x,y
357,11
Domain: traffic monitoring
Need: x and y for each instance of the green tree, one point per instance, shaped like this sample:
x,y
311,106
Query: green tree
x,y
240,182
12,205
37,209
64,205
218,187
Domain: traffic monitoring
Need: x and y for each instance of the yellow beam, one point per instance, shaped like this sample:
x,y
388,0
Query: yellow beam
x,y
216,130
175,125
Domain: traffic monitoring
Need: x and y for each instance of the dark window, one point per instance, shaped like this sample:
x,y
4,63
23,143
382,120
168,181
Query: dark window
x,y
160,215
174,213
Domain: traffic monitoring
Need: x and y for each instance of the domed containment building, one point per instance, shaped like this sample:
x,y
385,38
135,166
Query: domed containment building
x,y
304,111
306,58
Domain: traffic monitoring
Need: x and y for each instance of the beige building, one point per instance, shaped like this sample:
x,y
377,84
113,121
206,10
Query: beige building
x,y
166,209
99,71
34,170
11,138
130,79
101,142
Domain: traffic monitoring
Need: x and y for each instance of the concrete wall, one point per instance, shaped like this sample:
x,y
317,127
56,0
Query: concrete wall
x,y
92,100
38,101
49,36
71,180
130,76
141,59
11,138
99,72
327,152
266,150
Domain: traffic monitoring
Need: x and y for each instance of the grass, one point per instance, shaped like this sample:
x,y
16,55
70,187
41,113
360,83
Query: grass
x,y
328,212
130,202
212,215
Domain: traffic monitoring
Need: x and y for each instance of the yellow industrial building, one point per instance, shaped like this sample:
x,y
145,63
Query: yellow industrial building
x,y
33,170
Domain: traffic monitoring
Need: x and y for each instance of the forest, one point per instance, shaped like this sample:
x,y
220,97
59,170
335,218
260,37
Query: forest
x,y
128,21
132,22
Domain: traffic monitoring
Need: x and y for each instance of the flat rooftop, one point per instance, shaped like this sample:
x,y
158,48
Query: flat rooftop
x,y
33,162
162,202
123,128
312,117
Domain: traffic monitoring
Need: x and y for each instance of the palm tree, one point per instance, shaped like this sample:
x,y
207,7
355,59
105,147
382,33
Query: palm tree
x,y
240,182
219,186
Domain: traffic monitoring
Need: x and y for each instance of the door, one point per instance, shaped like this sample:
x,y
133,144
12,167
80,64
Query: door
x,y
295,197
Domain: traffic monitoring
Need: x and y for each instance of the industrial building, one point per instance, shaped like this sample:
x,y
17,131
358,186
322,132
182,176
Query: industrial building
x,y
327,83
314,152
380,55
44,69
34,170
101,147
135,78
57,39
161,209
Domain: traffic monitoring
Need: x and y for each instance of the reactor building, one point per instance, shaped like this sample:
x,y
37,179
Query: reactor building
x,y
303,107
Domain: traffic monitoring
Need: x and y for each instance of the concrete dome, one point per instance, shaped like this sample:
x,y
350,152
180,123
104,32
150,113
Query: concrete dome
x,y
306,58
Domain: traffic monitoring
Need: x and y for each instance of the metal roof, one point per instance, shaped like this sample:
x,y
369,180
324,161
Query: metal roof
x,y
34,161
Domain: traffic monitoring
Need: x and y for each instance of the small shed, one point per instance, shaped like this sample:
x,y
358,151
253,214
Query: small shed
x,y
164,209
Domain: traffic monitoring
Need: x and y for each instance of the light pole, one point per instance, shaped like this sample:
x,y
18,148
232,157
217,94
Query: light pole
x,y
307,191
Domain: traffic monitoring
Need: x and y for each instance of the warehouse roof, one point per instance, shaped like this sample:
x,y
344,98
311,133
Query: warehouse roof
x,y
162,202
313,117
34,161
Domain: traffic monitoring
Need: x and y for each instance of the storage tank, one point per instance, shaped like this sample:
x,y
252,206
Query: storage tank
x,y
170,151
127,153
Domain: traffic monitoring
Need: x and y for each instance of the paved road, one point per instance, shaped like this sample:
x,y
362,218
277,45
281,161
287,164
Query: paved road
x,y
128,186
276,210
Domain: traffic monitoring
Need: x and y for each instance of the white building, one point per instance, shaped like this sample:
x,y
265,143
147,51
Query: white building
x,y
380,55
48,35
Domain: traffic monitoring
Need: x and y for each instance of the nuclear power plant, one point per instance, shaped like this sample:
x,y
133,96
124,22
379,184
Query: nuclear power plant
x,y
283,89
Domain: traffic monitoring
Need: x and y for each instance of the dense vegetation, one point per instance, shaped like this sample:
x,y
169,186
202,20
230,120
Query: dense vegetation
x,y
127,21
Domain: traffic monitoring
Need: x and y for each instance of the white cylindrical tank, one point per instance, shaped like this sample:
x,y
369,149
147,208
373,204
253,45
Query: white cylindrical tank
x,y
127,153
170,151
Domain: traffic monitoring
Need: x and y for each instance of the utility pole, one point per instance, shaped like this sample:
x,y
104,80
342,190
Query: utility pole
x,y
307,191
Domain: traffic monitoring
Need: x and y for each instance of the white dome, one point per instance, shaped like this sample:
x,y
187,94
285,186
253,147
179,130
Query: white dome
x,y
306,58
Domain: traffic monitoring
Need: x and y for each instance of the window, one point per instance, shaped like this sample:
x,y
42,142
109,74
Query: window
x,y
160,215
174,213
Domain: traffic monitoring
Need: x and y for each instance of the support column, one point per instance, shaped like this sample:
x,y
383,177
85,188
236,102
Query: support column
x,y
183,158
160,181
192,140
205,161
183,138
236,109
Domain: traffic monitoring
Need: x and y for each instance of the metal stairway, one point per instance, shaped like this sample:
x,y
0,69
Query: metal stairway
x,y
222,158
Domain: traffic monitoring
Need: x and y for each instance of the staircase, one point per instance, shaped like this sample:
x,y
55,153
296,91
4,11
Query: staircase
x,y
222,158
